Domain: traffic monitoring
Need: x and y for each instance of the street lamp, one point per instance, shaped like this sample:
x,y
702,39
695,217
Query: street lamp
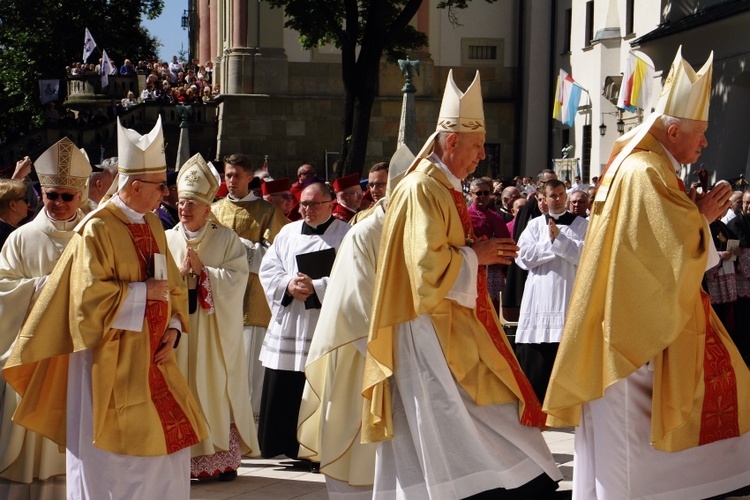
x,y
620,126
602,128
187,16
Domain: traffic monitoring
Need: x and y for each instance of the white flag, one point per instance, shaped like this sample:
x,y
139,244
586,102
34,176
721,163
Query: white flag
x,y
49,90
106,68
88,45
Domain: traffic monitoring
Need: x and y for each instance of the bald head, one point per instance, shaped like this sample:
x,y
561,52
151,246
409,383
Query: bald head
x,y
510,194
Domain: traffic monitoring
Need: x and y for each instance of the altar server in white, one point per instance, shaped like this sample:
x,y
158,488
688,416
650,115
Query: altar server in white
x,y
295,293
551,247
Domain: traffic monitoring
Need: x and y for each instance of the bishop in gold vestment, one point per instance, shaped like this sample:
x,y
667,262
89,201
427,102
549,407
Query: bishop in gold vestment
x,y
94,364
139,409
645,368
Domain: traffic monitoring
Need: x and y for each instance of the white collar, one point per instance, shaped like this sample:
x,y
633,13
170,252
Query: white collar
x,y
675,164
133,216
455,181
248,197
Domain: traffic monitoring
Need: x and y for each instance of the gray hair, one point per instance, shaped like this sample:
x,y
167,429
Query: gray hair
x,y
480,182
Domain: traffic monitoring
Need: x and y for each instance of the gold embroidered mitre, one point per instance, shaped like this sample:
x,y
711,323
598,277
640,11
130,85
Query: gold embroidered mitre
x,y
140,154
686,93
63,165
459,112
198,180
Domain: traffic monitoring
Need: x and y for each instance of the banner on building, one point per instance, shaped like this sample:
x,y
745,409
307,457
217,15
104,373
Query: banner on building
x,y
567,98
637,82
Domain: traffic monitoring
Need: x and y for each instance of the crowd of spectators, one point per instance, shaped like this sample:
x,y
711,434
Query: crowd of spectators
x,y
167,82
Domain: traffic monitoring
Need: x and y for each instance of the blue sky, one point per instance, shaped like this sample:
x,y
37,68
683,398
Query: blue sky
x,y
166,28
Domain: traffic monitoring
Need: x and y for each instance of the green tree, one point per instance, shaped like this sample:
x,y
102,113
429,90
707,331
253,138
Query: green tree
x,y
364,31
38,39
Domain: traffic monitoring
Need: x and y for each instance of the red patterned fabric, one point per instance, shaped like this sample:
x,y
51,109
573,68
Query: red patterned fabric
x,y
178,432
208,466
205,297
532,415
720,413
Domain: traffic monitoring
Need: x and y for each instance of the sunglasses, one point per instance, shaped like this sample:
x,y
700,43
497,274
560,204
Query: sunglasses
x,y
286,196
53,195
481,193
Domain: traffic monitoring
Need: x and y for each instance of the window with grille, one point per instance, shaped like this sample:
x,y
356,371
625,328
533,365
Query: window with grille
x,y
482,51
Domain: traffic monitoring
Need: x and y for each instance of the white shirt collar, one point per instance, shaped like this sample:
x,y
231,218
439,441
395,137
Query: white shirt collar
x,y
248,197
133,216
455,181
675,164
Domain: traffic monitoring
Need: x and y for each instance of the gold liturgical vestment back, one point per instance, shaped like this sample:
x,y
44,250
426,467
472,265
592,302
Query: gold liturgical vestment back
x,y
637,298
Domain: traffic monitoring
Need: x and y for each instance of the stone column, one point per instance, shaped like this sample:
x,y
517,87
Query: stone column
x,y
204,32
213,25
239,23
271,73
239,58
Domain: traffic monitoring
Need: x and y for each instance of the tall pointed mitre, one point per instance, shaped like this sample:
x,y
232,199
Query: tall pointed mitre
x,y
459,112
685,94
198,180
63,165
140,154
397,166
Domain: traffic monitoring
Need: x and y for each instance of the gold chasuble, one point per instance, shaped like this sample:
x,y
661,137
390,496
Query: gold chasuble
x,y
254,221
418,263
139,408
701,385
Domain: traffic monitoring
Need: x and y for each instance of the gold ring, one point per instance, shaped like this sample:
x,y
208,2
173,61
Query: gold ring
x,y
722,203
500,253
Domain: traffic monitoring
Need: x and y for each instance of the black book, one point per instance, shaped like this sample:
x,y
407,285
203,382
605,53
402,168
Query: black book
x,y
316,265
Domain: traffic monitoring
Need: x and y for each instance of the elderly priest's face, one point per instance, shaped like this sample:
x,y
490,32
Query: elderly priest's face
x,y
193,213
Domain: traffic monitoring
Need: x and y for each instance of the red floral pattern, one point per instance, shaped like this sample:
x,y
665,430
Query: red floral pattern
x,y
205,297
178,431
532,415
720,412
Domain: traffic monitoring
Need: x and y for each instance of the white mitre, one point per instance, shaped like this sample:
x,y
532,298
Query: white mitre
x,y
398,165
140,154
198,180
685,94
63,165
459,112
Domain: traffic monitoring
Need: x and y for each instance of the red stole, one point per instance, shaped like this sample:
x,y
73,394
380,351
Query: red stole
x,y
178,432
719,415
532,415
